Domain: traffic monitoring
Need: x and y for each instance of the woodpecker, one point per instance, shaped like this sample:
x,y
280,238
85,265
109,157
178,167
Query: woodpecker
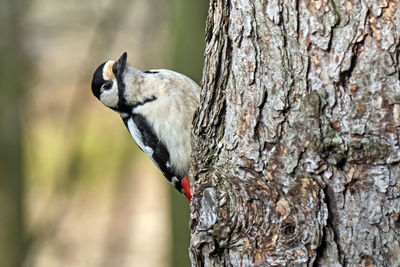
x,y
157,107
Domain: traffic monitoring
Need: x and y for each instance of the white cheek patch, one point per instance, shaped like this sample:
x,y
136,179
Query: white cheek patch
x,y
137,136
109,97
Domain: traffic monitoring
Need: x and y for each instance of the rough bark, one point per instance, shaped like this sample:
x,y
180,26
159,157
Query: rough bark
x,y
296,141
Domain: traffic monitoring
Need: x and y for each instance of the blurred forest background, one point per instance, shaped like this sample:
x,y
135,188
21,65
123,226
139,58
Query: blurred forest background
x,y
74,188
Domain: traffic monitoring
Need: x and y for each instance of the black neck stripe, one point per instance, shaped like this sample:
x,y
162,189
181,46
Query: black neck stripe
x,y
123,107
121,92
141,103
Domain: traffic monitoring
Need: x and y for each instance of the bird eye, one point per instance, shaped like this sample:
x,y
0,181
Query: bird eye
x,y
107,85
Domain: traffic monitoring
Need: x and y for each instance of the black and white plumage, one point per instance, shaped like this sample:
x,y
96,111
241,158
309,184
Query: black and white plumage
x,y
157,107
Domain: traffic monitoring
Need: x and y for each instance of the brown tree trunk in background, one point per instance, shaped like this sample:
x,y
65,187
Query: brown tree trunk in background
x,y
13,75
296,142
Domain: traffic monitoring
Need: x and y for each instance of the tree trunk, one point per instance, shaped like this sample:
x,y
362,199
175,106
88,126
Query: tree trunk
x,y
296,156
13,75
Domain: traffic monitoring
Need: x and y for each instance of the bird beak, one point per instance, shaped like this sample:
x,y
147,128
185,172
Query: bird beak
x,y
119,66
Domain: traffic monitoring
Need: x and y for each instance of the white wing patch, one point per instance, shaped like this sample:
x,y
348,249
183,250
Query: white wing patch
x,y
137,136
174,181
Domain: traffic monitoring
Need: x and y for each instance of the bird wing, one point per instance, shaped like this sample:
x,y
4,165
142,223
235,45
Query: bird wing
x,y
155,149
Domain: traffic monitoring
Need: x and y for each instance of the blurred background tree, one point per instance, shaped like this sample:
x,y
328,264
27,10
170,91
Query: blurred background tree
x,y
13,72
74,188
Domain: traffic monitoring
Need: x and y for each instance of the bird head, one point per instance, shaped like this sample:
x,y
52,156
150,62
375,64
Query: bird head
x,y
108,83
